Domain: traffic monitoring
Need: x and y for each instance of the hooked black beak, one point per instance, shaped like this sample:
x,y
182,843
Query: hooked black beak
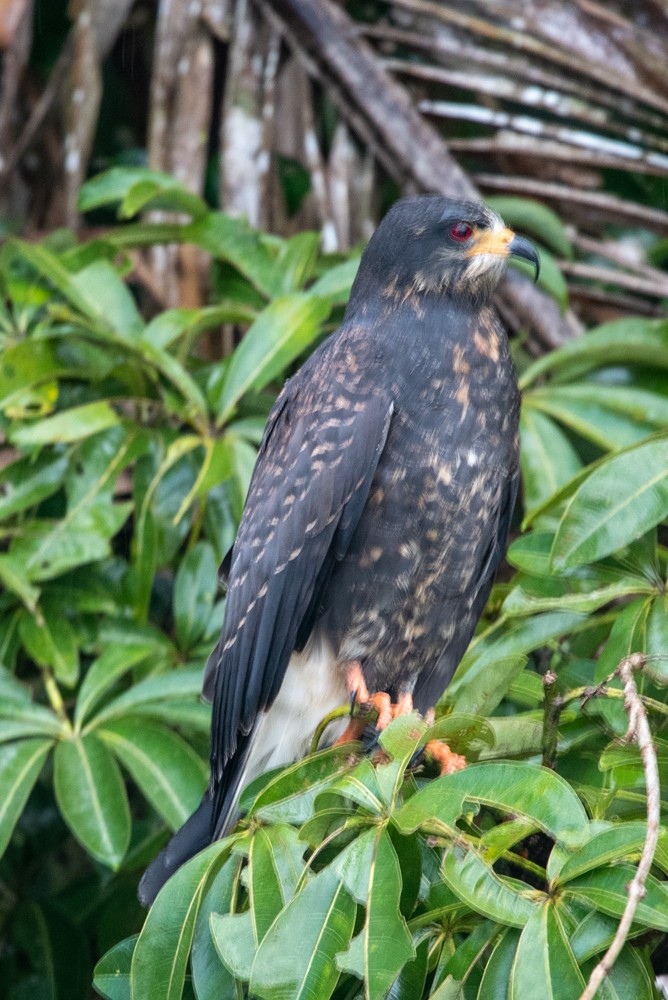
x,y
521,247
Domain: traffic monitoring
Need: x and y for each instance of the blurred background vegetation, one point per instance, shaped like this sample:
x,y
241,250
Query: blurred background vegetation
x,y
184,191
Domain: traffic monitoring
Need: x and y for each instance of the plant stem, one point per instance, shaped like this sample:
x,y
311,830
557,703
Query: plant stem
x,y
552,706
55,697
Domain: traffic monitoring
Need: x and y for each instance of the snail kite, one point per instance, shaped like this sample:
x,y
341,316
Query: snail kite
x,y
378,510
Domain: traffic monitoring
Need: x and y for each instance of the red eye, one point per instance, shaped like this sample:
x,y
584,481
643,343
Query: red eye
x,y
461,231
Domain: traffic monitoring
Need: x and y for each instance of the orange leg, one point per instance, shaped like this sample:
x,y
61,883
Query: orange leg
x,y
449,761
386,711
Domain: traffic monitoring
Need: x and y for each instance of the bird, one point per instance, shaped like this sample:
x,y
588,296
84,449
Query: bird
x,y
378,509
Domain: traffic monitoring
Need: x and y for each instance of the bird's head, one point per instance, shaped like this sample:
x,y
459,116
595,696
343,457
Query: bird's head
x,y
435,244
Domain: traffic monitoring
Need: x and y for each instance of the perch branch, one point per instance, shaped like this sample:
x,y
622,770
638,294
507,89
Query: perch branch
x,y
639,732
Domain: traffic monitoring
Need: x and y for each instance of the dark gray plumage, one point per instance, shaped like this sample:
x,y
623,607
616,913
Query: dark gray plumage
x,y
379,507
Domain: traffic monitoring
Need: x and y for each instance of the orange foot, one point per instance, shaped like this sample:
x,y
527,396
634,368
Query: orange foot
x,y
443,755
379,701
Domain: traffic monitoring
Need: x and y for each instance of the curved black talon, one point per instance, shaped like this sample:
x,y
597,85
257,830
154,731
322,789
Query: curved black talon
x,y
416,759
370,739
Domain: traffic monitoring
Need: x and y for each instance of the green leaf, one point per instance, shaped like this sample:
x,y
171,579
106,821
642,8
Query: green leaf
x,y
522,789
544,964
266,896
20,719
20,766
629,977
92,799
28,481
296,261
70,425
409,984
195,588
234,940
605,890
289,797
112,972
547,458
49,548
335,284
181,683
605,428
210,977
376,880
179,377
584,592
161,954
47,264
296,959
476,883
455,971
550,278
108,299
134,187
496,977
618,502
481,691
166,769
632,340
233,240
29,363
172,324
53,644
280,333
515,736
605,847
102,674
533,217
12,577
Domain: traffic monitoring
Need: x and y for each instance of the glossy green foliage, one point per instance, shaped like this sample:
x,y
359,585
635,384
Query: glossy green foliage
x,y
350,877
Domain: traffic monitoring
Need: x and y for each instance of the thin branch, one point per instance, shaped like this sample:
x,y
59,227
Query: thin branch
x,y
607,205
640,733
551,714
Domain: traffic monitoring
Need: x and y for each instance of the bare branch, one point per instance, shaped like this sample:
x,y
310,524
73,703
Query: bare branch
x,y
640,733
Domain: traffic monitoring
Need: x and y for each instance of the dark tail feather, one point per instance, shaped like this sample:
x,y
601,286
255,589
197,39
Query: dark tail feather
x,y
213,819
194,836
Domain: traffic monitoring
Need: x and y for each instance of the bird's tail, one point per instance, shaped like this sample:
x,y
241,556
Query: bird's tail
x,y
194,836
213,819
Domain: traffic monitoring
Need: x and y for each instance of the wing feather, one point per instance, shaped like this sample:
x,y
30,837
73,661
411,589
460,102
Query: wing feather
x,y
310,484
